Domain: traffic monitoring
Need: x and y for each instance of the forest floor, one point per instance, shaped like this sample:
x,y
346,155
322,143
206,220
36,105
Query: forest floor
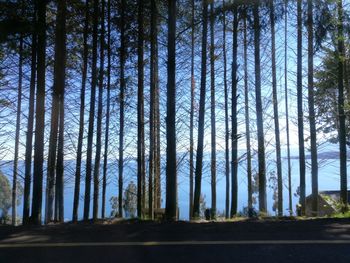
x,y
266,240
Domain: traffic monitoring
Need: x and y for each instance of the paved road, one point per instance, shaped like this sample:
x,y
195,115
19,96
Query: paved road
x,y
263,241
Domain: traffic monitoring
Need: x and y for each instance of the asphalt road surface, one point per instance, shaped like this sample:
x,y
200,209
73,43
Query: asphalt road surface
x,y
322,240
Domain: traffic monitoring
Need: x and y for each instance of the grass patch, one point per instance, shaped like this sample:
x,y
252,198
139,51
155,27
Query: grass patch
x,y
341,215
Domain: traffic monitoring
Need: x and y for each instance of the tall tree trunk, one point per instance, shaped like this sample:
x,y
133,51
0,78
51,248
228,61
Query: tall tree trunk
x,y
234,188
18,127
314,164
30,125
300,111
171,181
121,108
193,86
289,167
61,78
157,181
153,176
91,114
199,156
227,132
105,156
58,87
259,113
51,163
59,192
81,115
342,129
212,113
275,113
99,117
247,117
140,114
40,117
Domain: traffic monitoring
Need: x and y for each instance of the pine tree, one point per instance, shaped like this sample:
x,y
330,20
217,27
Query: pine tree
x,y
314,164
300,109
91,113
259,113
171,167
199,157
81,114
40,116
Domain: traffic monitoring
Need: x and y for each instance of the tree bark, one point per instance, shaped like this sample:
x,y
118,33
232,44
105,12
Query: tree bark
x,y
199,157
234,170
40,116
81,115
105,156
30,125
314,164
247,117
275,113
153,177
59,216
58,88
212,113
18,127
300,110
171,180
287,108
51,163
342,129
227,132
193,86
99,118
91,114
61,78
259,113
140,114
121,109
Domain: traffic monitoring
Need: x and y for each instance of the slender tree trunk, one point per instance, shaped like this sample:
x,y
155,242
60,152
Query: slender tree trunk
x,y
153,176
227,132
171,181
259,112
199,156
105,156
234,188
51,163
247,117
275,113
40,117
287,108
30,125
121,109
157,179
58,87
157,183
140,114
212,113
193,86
91,114
60,164
300,111
342,129
314,164
18,127
346,74
99,117
81,115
